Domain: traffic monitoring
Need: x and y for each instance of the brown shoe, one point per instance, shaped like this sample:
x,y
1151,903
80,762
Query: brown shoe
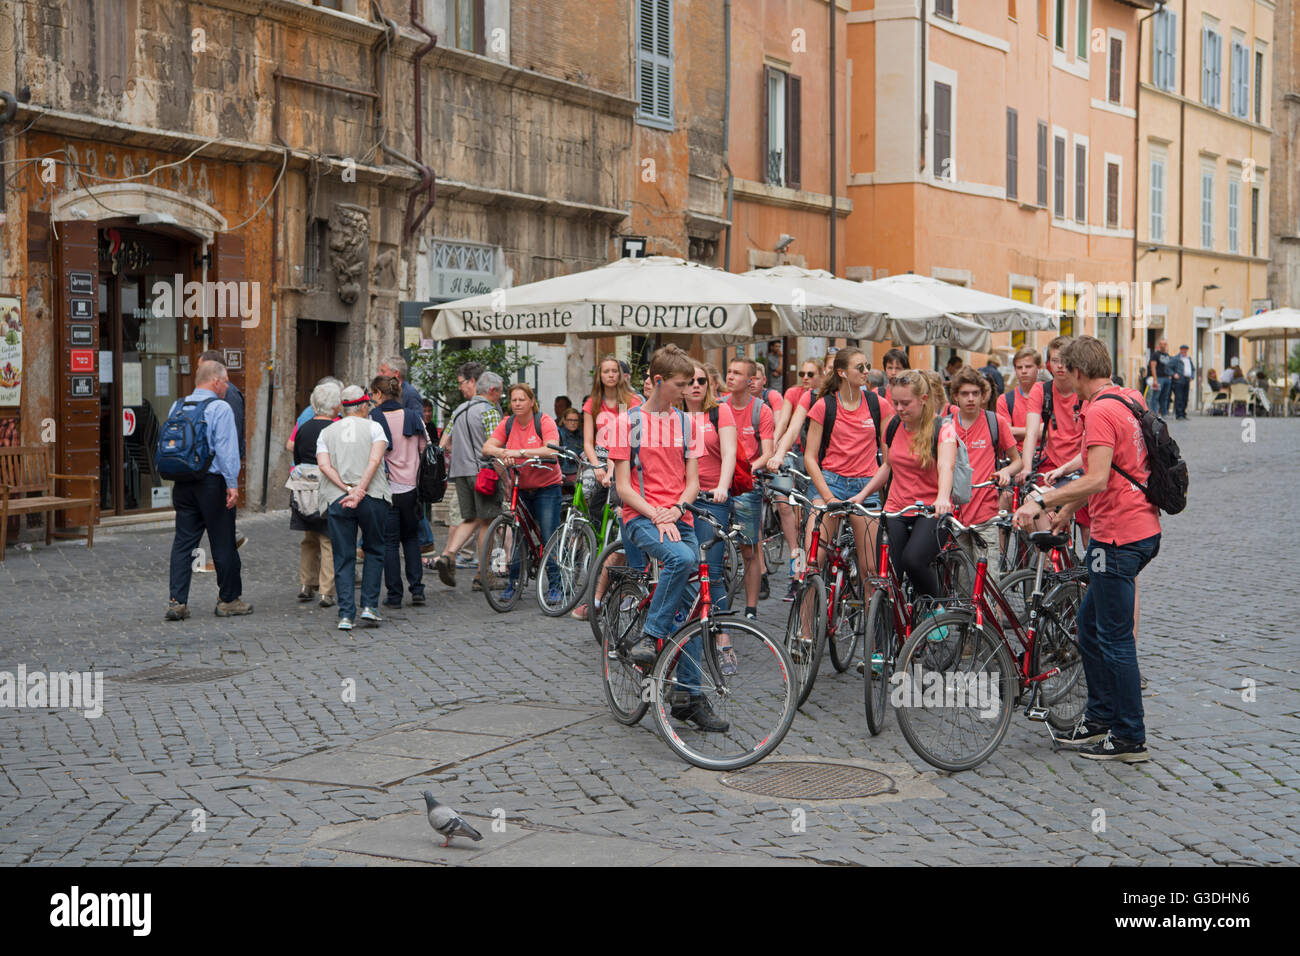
x,y
176,611
446,569
235,608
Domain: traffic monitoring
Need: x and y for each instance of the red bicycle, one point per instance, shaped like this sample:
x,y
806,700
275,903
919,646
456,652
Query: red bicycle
x,y
512,548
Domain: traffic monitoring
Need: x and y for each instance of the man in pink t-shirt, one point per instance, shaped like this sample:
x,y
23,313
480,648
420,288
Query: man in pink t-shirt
x,y
1125,537
755,445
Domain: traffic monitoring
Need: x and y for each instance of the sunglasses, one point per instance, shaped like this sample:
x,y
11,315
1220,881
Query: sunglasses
x,y
807,374
860,368
700,381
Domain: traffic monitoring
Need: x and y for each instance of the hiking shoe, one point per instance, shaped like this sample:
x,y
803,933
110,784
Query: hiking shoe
x,y
176,611
477,585
791,594
326,601
446,570
241,541
1112,749
698,711
764,588
235,608
345,624
645,652
304,593
371,616
417,600
1084,733
580,612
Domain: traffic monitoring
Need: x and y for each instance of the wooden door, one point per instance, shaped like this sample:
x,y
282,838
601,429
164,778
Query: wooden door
x,y
77,438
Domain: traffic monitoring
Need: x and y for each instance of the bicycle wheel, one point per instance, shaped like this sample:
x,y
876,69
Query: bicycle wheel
x,y
503,563
850,620
805,633
773,538
1017,587
733,569
956,574
757,702
955,690
879,639
593,582
571,547
625,611
1056,644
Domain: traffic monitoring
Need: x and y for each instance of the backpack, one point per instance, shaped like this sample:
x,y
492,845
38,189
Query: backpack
x,y
184,452
537,425
1166,486
1011,403
742,476
961,471
832,405
634,442
431,483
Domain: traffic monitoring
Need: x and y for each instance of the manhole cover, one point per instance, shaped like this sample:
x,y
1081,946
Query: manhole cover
x,y
806,780
172,674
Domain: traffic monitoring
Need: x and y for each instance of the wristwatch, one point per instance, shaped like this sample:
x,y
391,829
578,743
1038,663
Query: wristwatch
x,y
1037,496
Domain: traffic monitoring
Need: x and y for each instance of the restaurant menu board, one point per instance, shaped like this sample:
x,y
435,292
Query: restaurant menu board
x,y
11,351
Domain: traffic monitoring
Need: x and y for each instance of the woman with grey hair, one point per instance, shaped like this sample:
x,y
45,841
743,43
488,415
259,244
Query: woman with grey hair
x,y
350,453
316,556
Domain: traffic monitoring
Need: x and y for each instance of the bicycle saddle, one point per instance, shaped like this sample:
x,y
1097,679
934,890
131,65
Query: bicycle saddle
x,y
1046,541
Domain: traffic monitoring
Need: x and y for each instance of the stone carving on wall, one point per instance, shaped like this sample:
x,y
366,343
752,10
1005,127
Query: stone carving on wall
x,y
349,227
384,274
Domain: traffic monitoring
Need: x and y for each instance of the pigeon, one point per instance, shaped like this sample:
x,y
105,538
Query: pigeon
x,y
447,821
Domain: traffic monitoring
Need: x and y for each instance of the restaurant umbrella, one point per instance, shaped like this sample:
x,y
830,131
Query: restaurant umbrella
x,y
994,312
1273,324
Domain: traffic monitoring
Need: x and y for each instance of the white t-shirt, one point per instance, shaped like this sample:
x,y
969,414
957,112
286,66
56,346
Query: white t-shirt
x,y
348,442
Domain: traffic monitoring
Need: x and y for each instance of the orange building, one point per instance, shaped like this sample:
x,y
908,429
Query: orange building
x,y
992,144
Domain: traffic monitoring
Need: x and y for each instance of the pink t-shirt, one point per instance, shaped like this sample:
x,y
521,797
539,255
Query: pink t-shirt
x,y
908,482
1065,438
797,395
711,445
522,437
747,444
605,419
774,399
1120,513
662,450
983,504
1018,414
852,449
403,458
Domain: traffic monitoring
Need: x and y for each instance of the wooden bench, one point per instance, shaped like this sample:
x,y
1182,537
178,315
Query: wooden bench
x,y
24,470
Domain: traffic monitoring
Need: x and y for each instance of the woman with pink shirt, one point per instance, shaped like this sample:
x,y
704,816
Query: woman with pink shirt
x,y
406,440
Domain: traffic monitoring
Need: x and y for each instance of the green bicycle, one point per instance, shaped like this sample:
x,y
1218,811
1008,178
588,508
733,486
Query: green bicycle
x,y
573,547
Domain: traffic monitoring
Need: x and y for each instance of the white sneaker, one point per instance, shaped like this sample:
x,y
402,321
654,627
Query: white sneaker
x,y
371,615
345,624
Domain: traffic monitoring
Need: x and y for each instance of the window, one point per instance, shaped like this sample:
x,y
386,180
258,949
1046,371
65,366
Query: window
x,y
781,129
1164,49
1207,208
943,8
943,162
1259,87
465,24
1254,220
1112,195
1042,164
1013,165
654,62
1115,72
1081,44
1060,24
1080,182
1157,199
1211,67
314,252
1058,178
1042,18
1239,80
1011,9
1234,211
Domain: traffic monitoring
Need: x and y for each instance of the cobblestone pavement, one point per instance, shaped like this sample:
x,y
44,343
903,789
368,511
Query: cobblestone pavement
x,y
1220,606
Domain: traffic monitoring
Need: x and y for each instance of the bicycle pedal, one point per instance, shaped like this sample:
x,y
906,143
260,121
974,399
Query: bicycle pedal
x,y
1036,713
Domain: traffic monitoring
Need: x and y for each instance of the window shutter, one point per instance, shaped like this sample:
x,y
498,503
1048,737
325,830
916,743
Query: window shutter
x,y
1259,87
655,61
765,126
1080,183
644,58
1013,159
1058,148
793,117
1157,201
664,55
1205,65
1042,164
480,28
942,131
1116,68
1112,196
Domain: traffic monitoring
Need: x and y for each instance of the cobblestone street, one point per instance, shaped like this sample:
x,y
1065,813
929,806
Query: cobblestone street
x,y
503,717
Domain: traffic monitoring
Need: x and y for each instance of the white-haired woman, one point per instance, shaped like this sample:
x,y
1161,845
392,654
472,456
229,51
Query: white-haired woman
x,y
316,556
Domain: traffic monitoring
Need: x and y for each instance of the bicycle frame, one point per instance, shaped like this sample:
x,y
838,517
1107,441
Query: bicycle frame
x,y
532,533
1026,634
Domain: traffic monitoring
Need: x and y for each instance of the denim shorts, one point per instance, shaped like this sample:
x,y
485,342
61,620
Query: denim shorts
x,y
745,512
845,488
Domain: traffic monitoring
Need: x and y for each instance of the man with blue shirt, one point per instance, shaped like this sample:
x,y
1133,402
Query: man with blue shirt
x,y
208,504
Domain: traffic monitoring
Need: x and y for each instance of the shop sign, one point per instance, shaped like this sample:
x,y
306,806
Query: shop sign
x,y
81,283
83,360
82,308
128,422
11,352
83,386
83,335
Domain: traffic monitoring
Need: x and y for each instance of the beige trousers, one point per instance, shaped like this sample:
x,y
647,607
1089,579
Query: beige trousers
x,y
316,563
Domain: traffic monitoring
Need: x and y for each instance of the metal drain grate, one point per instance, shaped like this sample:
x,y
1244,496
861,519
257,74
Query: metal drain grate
x,y
169,674
806,780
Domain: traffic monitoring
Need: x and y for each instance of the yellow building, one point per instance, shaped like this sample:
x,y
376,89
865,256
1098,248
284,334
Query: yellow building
x,y
1204,114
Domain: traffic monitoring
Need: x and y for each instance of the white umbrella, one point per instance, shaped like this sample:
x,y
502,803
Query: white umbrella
x,y
951,331
649,296
1274,324
995,312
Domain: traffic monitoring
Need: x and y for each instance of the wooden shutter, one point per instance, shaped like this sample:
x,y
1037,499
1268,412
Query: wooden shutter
x,y
942,130
1116,92
793,117
78,437
1259,87
1013,160
1112,195
228,331
1058,148
1080,183
766,124
645,56
1042,164
480,28
655,61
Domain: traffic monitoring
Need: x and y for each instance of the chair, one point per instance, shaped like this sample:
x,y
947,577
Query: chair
x,y
1239,394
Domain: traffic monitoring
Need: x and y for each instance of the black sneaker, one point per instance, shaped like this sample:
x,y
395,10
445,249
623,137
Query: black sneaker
x,y
645,652
791,594
698,711
1083,734
1112,749
751,616
764,589
417,600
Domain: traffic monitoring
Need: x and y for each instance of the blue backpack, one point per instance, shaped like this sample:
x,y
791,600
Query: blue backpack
x,y
184,452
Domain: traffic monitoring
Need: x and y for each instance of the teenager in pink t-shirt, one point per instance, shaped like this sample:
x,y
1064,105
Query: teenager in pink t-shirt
x,y
972,391
756,447
1125,537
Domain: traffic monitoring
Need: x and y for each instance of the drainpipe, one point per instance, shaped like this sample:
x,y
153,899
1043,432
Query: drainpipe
x,y
925,119
831,5
1182,146
1137,160
726,125
411,222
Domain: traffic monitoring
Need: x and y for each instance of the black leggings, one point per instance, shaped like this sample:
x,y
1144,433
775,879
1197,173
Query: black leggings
x,y
912,547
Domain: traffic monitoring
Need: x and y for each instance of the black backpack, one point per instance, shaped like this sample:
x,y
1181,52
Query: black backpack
x,y
537,426
1166,486
832,406
431,484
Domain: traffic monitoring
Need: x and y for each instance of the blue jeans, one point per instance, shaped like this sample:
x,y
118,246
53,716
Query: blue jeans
x,y
401,541
1164,386
368,517
677,561
544,505
1106,640
426,531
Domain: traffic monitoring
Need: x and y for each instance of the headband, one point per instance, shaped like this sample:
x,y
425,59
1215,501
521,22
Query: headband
x,y
356,401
